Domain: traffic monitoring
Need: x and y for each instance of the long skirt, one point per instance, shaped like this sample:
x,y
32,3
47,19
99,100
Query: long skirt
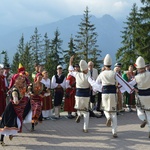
x,y
12,118
70,101
36,108
47,106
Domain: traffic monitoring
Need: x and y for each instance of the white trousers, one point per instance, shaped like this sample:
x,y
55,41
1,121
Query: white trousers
x,y
144,116
113,117
57,111
86,118
82,103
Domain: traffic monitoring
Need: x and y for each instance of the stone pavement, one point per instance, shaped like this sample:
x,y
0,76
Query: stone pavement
x,y
65,134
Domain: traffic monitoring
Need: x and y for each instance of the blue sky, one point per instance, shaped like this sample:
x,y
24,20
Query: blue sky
x,y
37,12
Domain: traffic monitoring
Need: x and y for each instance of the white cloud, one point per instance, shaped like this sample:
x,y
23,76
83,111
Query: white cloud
x,y
36,12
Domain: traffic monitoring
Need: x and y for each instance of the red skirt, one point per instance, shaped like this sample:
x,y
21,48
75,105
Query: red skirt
x,y
70,101
36,108
47,103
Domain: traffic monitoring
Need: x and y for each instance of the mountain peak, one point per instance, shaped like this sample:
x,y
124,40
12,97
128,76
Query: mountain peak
x,y
108,18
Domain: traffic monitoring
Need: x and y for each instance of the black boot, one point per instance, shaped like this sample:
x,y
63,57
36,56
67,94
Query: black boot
x,y
2,140
32,128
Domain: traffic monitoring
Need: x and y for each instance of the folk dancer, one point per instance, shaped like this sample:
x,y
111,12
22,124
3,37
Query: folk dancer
x,y
36,67
12,118
142,81
108,78
58,84
47,100
7,76
129,98
2,92
70,94
36,91
119,94
82,97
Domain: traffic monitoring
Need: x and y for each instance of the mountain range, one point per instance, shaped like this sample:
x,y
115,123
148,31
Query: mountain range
x,y
107,28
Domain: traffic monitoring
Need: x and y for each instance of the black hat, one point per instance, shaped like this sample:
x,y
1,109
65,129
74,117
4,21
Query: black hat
x,y
147,64
118,64
6,66
76,65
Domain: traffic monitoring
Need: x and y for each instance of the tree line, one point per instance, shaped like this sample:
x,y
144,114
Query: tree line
x,y
49,52
136,35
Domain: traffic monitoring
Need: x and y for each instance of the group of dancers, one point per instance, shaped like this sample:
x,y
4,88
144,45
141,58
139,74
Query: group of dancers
x,y
26,99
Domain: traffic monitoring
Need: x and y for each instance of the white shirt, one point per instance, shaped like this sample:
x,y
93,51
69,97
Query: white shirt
x,y
54,84
46,82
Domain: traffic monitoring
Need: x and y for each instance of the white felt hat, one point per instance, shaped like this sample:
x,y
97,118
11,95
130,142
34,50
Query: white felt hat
x,y
83,65
107,60
140,62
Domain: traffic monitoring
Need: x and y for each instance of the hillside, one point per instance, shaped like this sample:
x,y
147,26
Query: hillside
x,y
107,27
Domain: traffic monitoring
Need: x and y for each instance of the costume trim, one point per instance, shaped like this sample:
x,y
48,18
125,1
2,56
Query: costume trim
x,y
109,89
144,92
83,92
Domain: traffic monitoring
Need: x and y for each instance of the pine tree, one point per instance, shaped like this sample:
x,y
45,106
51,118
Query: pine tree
x,y
128,53
86,40
20,49
36,46
144,42
6,59
47,52
15,63
56,52
28,60
68,53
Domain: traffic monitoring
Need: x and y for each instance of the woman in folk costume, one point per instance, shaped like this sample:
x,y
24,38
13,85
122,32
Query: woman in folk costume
x,y
108,79
47,99
129,98
36,91
24,73
142,81
2,92
119,94
70,94
12,118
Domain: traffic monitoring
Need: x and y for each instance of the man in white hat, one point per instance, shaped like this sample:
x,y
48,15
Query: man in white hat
x,y
142,79
82,97
58,83
108,79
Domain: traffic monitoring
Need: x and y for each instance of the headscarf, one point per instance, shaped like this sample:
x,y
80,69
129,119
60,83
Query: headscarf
x,y
38,74
12,81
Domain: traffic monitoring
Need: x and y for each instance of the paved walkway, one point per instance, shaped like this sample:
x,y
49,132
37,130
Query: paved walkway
x,y
65,134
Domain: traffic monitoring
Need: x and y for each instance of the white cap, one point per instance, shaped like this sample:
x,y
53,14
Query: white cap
x,y
118,65
107,60
59,66
70,68
140,62
83,65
